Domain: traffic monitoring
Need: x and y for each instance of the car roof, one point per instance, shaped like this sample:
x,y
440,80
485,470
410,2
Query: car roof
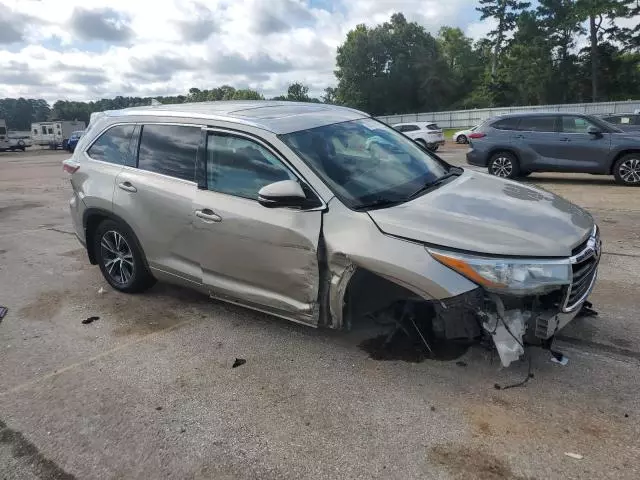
x,y
276,116
414,123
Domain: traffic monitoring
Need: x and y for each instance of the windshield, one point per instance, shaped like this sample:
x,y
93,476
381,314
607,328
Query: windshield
x,y
365,162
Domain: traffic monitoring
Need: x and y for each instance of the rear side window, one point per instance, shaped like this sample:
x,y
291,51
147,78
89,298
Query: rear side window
x,y
538,124
170,150
433,126
506,124
408,128
241,167
614,120
113,146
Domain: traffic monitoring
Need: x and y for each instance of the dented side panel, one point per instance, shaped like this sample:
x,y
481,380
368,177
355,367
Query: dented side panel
x,y
263,257
353,241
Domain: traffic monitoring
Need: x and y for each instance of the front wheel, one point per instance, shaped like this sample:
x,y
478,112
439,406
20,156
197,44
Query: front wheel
x,y
504,165
627,170
120,259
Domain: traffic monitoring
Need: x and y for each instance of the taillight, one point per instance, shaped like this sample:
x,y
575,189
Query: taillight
x,y
477,135
70,166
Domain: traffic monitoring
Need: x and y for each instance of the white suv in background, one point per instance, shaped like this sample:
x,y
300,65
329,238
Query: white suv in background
x,y
427,134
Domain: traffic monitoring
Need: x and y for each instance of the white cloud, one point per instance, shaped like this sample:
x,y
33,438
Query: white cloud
x,y
87,49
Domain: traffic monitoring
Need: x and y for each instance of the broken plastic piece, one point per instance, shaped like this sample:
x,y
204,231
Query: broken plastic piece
x,y
587,310
560,359
101,291
507,332
577,456
238,362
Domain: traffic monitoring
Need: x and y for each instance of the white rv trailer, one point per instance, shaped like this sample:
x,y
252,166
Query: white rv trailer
x,y
56,133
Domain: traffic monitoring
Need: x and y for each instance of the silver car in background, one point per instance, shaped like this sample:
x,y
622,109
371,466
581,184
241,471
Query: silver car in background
x,y
322,215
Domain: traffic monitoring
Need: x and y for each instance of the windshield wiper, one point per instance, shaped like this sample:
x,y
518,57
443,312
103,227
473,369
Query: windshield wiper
x,y
379,202
452,172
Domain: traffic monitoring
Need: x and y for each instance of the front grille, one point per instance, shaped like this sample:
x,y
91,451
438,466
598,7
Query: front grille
x,y
584,268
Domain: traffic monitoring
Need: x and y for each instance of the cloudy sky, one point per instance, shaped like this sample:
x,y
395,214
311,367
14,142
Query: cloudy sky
x,y
88,49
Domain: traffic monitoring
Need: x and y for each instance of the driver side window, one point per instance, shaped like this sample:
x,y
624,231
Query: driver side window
x,y
241,167
575,124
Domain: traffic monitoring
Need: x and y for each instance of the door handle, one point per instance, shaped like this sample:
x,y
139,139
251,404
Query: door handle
x,y
127,187
519,137
565,139
208,215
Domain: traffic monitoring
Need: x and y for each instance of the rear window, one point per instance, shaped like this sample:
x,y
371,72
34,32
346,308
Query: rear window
x,y
506,124
170,150
113,146
538,124
3,131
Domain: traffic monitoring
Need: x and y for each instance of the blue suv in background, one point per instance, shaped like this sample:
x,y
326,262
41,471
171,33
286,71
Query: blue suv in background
x,y
516,145
73,140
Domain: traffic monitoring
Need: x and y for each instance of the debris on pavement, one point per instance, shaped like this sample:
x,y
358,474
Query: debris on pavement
x,y
587,310
158,408
89,320
460,363
577,456
560,360
3,312
238,362
101,291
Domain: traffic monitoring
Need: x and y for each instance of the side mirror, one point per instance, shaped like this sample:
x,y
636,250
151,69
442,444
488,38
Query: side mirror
x,y
594,131
286,193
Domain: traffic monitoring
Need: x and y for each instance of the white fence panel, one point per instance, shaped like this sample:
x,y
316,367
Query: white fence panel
x,y
468,118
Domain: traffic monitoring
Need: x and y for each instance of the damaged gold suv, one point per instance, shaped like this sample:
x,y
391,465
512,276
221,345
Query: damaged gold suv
x,y
320,214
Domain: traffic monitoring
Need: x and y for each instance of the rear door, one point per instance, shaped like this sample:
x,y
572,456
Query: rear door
x,y
411,131
579,151
536,138
156,197
265,258
101,163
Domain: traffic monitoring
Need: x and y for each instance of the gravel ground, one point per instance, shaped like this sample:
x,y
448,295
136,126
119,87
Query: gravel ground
x,y
147,391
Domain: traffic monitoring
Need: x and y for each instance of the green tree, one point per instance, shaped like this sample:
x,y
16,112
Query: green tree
x,y
395,67
247,94
464,64
297,92
506,13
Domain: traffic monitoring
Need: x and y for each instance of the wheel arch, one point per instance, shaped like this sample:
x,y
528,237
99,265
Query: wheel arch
x,y
92,218
619,155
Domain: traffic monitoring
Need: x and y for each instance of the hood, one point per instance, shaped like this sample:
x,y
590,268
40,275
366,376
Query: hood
x,y
481,213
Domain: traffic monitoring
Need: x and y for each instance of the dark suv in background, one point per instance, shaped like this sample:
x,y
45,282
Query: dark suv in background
x,y
516,145
627,122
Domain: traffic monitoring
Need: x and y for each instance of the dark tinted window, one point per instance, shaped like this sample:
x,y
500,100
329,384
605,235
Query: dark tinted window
x,y
538,124
433,126
407,128
614,120
572,124
506,124
238,166
113,145
170,150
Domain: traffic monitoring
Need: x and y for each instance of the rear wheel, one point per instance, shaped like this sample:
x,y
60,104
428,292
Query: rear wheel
x,y
504,165
462,139
627,170
433,147
120,259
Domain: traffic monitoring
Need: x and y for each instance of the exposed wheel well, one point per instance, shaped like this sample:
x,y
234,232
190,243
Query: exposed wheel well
x,y
619,156
368,293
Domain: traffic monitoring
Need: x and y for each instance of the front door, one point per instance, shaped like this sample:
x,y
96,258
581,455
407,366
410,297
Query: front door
x,y
536,139
264,258
582,151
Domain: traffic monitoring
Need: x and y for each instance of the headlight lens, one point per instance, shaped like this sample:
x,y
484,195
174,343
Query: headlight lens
x,y
516,276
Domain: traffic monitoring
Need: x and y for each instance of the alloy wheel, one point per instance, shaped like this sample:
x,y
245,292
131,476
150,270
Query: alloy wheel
x,y
629,170
117,257
502,167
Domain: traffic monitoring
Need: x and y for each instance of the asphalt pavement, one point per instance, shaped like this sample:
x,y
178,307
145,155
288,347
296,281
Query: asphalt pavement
x,y
148,390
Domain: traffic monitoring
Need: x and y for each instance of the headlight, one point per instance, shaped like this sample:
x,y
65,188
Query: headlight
x,y
505,275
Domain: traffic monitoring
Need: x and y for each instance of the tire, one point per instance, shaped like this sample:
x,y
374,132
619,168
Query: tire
x,y
120,258
21,144
462,139
433,147
422,143
504,165
627,170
